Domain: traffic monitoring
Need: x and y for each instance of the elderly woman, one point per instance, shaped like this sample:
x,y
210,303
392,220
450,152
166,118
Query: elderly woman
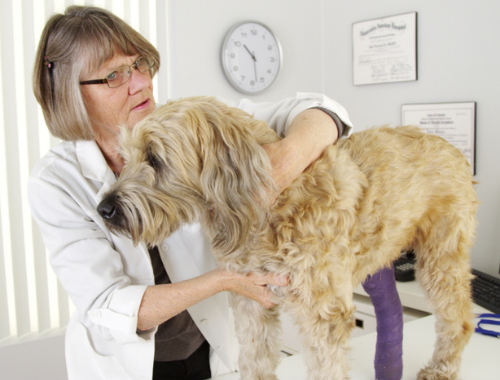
x,y
140,314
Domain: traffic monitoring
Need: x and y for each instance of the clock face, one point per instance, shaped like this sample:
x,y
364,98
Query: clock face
x,y
251,57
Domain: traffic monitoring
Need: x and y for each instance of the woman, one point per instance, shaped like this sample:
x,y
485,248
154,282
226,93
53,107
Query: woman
x,y
162,314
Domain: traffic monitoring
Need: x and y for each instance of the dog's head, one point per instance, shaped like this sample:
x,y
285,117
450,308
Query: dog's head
x,y
191,160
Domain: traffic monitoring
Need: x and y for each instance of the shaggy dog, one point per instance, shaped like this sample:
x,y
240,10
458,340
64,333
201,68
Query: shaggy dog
x,y
351,213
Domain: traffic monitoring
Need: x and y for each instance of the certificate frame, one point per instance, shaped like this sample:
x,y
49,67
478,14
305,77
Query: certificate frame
x,y
455,122
385,50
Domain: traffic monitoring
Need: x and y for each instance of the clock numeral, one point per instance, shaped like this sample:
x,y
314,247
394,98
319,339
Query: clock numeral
x,y
232,55
269,71
235,68
237,43
262,80
254,32
269,47
242,77
243,35
252,82
272,59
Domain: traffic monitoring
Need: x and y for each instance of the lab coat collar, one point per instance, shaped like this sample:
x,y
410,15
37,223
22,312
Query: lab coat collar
x,y
94,165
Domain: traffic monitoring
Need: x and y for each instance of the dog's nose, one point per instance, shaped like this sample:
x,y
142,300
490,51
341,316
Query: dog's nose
x,y
106,209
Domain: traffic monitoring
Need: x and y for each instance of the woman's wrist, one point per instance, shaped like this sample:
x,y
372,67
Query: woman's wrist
x,y
223,280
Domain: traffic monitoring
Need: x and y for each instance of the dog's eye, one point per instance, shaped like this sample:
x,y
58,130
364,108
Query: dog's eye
x,y
153,160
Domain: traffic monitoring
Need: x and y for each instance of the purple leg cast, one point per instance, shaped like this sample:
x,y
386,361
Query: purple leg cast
x,y
381,287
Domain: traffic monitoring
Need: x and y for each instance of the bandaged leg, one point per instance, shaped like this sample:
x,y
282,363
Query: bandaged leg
x,y
381,287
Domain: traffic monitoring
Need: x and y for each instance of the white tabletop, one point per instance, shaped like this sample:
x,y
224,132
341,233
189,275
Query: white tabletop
x,y
481,359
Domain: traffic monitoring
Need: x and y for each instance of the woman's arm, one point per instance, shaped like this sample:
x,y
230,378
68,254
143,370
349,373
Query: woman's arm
x,y
309,122
162,302
309,133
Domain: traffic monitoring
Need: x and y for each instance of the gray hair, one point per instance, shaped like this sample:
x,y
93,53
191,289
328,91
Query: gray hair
x,y
72,45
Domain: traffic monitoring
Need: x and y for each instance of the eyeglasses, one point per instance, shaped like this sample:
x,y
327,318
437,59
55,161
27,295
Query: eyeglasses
x,y
122,74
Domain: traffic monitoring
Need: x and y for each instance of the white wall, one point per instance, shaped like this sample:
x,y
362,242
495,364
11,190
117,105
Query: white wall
x,y
197,29
458,57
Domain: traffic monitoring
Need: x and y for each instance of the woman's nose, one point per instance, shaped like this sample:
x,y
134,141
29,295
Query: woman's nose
x,y
139,81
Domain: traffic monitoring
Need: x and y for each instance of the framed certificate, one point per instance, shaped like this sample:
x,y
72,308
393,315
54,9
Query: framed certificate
x,y
455,122
385,49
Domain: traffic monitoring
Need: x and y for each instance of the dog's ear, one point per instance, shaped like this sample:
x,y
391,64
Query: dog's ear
x,y
235,177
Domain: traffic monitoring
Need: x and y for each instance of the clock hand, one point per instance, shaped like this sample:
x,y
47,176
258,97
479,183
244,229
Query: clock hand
x,y
254,61
253,56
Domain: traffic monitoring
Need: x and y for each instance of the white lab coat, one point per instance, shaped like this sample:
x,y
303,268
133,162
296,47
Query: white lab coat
x,y
106,275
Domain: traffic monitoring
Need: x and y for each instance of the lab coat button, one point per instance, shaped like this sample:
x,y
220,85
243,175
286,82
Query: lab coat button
x,y
204,322
165,247
97,314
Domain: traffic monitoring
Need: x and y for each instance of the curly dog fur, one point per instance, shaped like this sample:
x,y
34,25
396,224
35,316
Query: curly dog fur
x,y
352,212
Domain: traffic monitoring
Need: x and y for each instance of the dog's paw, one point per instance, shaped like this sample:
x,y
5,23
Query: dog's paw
x,y
430,373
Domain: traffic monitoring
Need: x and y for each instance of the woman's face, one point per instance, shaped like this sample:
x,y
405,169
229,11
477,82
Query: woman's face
x,y
110,108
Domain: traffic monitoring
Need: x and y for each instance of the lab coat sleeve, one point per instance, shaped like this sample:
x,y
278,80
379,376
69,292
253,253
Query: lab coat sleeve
x,y
84,260
280,114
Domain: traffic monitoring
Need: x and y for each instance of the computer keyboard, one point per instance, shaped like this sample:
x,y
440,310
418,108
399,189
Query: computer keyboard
x,y
486,291
404,267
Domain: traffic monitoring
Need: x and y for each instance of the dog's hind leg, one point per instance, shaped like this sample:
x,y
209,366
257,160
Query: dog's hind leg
x,y
258,330
443,269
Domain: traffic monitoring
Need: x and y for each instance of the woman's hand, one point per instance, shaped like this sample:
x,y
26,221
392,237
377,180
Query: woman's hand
x,y
253,286
308,136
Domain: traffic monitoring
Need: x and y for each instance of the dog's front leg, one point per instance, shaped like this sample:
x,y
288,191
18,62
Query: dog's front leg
x,y
258,330
326,331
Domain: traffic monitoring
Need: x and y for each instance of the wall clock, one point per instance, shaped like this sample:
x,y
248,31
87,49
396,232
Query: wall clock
x,y
251,57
